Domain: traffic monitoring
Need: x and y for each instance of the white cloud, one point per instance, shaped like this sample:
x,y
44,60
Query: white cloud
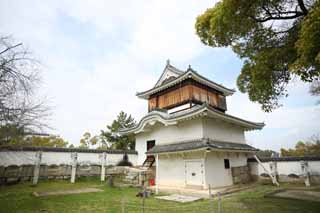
x,y
134,38
87,99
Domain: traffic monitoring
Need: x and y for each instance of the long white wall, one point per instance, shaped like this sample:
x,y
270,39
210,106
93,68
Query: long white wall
x,y
220,130
286,168
56,158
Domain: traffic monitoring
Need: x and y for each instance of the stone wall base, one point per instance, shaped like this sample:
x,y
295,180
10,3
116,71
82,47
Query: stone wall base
x,y
241,174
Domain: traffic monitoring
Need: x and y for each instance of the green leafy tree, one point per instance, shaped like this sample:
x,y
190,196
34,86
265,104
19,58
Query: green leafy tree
x,y
87,141
277,39
14,135
119,141
267,153
43,141
309,148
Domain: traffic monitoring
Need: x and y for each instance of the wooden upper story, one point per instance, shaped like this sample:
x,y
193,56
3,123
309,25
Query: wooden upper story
x,y
188,91
178,88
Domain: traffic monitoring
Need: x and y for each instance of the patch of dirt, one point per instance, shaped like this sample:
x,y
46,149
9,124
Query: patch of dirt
x,y
66,192
297,194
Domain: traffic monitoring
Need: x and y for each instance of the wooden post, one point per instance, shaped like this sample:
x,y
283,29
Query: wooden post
x,y
274,180
74,157
143,198
273,169
122,205
305,172
211,200
36,170
157,174
140,178
219,202
103,164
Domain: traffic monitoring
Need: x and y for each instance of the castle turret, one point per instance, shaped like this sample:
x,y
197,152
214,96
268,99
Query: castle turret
x,y
178,90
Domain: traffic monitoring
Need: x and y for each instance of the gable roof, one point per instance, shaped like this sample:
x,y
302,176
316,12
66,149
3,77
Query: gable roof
x,y
196,111
169,70
189,74
200,144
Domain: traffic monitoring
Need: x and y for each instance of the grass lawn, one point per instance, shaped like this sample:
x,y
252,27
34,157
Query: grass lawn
x,y
19,198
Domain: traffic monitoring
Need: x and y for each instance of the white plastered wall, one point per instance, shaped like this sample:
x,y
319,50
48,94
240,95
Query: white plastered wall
x,y
286,167
172,168
220,130
216,174
56,158
187,130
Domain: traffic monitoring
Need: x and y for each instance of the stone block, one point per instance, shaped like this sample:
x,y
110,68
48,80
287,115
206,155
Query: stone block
x,y
12,172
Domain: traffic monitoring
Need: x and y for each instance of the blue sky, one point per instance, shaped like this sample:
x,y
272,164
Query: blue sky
x,y
97,54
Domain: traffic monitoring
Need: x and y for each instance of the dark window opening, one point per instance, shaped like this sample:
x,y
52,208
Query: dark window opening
x,y
150,144
226,164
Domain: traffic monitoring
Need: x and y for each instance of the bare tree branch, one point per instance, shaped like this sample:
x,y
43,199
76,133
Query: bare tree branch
x,y
19,77
9,48
278,17
302,7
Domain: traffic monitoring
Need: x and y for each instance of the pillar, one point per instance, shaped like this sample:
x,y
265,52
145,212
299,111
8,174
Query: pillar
x,y
36,170
157,173
103,164
305,172
74,157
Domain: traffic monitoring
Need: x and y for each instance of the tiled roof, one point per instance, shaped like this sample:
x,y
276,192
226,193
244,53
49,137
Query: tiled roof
x,y
291,158
58,149
203,143
190,73
196,110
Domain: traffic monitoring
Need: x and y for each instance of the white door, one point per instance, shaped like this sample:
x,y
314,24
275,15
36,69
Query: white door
x,y
194,172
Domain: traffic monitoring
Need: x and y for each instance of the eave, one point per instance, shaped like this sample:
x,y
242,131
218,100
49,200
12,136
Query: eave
x,y
195,112
187,75
201,144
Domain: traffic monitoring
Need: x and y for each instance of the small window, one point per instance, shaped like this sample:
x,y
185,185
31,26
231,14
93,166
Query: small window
x,y
226,164
150,144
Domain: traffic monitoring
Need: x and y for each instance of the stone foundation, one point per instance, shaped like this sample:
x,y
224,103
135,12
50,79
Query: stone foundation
x,y
241,174
25,172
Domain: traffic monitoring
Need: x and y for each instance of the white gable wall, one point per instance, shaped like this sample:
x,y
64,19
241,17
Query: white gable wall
x,y
165,75
220,130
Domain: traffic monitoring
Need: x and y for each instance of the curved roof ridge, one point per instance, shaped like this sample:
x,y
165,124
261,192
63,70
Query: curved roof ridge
x,y
170,119
233,117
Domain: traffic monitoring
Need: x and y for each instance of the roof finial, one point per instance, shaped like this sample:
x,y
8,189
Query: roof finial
x,y
168,61
189,68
